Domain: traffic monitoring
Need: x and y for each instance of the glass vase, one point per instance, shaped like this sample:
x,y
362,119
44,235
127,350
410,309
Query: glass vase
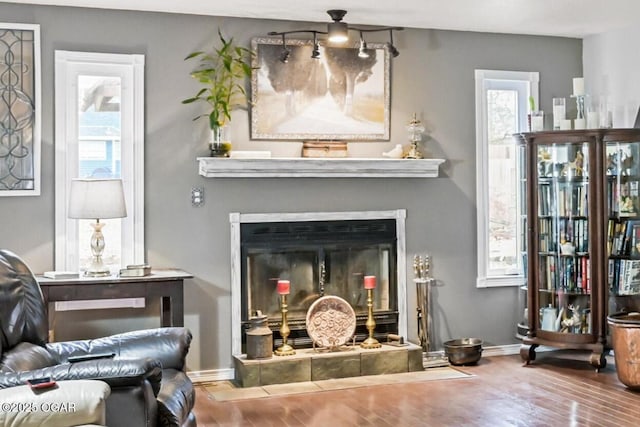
x,y
220,143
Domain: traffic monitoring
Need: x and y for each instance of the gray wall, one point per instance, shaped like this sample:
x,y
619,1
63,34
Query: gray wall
x,y
433,76
611,62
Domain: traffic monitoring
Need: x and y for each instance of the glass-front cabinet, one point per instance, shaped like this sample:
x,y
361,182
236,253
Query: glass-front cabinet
x,y
580,213
622,163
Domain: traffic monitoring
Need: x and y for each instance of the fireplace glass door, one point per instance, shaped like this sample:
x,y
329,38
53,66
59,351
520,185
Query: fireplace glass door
x,y
327,258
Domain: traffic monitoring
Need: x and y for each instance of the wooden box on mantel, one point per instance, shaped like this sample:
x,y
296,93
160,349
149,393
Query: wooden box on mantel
x,y
324,149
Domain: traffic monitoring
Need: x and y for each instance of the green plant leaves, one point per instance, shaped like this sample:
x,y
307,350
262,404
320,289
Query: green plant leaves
x,y
223,75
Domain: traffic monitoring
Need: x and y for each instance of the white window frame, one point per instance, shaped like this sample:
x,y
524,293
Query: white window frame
x,y
130,69
484,80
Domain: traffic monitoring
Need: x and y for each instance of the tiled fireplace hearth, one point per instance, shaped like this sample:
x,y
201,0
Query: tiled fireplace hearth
x,y
321,253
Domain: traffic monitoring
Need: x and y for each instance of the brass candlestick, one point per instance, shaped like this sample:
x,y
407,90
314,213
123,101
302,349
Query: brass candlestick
x,y
285,349
370,342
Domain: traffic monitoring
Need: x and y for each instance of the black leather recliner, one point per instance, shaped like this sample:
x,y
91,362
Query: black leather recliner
x,y
149,386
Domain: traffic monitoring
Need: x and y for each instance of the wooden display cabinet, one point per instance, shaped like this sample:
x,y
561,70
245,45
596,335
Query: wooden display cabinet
x,y
581,193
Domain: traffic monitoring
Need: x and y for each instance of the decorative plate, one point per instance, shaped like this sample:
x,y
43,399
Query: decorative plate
x,y
331,321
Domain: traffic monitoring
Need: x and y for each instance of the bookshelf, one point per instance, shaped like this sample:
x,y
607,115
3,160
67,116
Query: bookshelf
x,y
581,222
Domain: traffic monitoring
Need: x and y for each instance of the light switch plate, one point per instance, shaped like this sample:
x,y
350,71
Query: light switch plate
x,y
197,196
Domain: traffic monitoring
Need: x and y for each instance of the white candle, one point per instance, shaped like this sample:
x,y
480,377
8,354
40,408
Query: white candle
x,y
578,86
537,123
593,120
559,113
579,124
565,124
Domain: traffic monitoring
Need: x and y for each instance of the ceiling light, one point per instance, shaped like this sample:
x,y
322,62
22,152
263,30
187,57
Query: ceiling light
x,y
392,49
286,52
337,32
362,50
315,53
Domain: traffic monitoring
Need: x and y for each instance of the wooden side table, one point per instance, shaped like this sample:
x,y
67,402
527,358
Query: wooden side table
x,y
164,284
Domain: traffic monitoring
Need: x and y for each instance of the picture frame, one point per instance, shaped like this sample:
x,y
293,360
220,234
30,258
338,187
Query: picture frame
x,y
20,110
338,96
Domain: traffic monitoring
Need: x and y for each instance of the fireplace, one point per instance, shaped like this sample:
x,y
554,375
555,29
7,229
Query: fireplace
x,y
325,253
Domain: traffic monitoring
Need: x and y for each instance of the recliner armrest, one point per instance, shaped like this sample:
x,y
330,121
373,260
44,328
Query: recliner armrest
x,y
69,403
169,345
116,373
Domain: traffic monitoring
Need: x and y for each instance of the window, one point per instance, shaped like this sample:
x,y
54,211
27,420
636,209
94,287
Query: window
x,y
99,133
502,99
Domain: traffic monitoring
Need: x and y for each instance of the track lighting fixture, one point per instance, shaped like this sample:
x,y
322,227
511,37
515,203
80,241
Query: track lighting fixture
x,y
286,52
362,50
392,49
337,33
315,53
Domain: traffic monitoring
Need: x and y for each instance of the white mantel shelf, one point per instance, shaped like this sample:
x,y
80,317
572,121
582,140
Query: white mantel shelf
x,y
217,167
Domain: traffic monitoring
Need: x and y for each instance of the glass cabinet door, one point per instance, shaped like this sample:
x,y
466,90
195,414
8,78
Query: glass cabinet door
x,y
563,279
623,225
522,327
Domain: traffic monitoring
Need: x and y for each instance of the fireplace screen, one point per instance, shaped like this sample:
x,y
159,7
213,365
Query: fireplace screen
x,y
319,258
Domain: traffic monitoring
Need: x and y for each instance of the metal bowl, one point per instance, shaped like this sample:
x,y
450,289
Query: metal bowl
x,y
463,351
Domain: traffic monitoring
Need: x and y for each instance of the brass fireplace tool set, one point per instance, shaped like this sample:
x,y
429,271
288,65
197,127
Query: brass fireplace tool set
x,y
424,282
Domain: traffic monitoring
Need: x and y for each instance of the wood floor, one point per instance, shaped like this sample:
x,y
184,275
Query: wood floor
x,y
558,389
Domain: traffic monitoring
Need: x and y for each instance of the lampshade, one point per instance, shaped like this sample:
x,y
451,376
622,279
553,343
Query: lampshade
x,y
96,199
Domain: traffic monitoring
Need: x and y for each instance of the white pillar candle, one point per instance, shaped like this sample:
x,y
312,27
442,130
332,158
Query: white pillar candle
x,y
579,124
559,112
565,124
578,86
537,123
593,120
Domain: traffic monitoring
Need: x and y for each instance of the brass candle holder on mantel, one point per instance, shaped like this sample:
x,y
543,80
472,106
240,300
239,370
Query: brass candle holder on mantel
x,y
415,130
285,349
370,342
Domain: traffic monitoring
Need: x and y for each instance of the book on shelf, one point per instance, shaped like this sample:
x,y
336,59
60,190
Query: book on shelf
x,y
60,275
630,278
634,244
629,203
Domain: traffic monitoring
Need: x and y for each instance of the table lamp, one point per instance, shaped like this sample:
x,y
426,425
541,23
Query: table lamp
x,y
97,199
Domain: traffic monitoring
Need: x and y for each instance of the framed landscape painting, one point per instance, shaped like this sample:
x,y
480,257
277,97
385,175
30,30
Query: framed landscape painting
x,y
339,96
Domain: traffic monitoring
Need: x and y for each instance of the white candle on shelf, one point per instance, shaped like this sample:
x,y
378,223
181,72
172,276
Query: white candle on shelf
x,y
565,124
579,124
578,86
593,120
537,121
559,112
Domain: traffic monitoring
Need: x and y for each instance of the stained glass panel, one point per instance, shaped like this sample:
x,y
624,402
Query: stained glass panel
x,y
19,110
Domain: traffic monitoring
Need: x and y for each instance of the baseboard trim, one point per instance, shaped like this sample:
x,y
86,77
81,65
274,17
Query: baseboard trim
x,y
501,350
209,375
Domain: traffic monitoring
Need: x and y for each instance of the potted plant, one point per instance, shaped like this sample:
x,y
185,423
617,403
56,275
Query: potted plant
x,y
222,73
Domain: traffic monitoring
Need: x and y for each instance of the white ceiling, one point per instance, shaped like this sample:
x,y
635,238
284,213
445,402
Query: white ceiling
x,y
570,18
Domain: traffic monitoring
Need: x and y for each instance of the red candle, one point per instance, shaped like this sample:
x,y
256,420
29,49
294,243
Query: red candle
x,y
283,287
369,282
